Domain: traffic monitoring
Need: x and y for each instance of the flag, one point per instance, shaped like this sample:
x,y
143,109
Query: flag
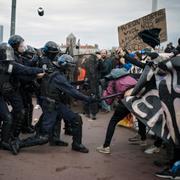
x,y
156,99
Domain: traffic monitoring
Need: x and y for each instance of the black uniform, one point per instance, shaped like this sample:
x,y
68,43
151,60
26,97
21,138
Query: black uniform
x,y
53,87
9,68
15,98
27,89
50,52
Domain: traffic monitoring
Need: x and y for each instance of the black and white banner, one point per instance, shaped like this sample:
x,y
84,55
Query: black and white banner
x,y
156,99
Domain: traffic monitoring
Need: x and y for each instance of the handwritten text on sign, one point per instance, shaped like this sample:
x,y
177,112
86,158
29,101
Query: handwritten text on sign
x,y
128,33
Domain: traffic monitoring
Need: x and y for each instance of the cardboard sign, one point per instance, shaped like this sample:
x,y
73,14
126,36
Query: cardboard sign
x,y
128,33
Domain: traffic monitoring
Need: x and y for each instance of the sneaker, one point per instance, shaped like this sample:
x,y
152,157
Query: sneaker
x,y
151,150
167,174
104,150
135,138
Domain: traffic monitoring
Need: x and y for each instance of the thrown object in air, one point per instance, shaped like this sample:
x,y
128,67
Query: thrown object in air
x,y
40,11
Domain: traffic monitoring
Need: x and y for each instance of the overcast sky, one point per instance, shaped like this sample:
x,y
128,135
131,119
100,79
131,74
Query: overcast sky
x,y
93,21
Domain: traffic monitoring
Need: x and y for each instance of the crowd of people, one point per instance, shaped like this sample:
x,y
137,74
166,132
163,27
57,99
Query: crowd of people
x,y
104,81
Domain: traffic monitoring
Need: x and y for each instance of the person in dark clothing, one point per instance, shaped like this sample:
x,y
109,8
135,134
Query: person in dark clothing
x,y
27,90
120,83
53,107
16,99
50,54
105,65
92,77
9,68
121,112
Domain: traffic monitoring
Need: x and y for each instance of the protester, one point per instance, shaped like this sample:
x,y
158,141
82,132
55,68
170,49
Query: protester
x,y
105,65
121,83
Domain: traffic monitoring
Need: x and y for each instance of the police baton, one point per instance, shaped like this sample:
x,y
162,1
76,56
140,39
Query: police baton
x,y
110,96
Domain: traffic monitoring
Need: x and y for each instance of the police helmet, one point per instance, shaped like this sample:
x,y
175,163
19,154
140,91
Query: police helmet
x,y
15,41
6,52
65,60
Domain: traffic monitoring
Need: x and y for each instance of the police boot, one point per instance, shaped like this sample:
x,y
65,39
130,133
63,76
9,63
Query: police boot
x,y
54,138
6,135
34,141
14,144
10,146
77,135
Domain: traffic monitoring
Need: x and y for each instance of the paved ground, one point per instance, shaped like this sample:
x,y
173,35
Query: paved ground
x,y
126,162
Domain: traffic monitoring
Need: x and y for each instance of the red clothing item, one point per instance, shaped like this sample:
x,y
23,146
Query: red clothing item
x,y
82,74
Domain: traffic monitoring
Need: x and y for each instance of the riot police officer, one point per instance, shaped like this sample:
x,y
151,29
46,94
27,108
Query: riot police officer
x,y
9,68
52,97
17,43
16,99
27,89
6,56
50,52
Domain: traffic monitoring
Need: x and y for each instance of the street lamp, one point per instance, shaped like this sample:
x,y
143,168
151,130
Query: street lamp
x,y
154,5
13,17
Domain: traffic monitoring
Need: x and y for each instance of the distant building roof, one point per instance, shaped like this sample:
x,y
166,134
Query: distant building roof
x,y
82,46
71,36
